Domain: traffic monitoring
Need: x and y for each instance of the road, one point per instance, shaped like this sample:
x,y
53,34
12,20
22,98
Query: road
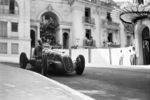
x,y
109,83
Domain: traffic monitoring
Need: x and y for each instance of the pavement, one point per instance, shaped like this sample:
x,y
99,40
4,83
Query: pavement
x,y
20,84
144,67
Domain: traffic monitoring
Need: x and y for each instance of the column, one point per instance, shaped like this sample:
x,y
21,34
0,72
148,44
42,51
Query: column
x,y
38,31
9,29
70,38
60,36
77,25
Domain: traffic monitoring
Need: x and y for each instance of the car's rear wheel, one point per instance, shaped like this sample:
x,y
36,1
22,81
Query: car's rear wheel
x,y
80,64
23,60
44,65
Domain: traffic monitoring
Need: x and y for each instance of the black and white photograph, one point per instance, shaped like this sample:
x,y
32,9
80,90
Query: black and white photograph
x,y
74,49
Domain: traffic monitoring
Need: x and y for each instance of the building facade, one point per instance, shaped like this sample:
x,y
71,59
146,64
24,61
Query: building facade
x,y
136,17
68,22
14,28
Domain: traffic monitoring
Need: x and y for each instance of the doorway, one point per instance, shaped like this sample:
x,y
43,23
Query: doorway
x,y
32,36
146,45
65,41
49,28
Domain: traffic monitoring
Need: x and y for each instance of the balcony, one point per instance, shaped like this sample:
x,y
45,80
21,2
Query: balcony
x,y
110,24
4,10
88,21
89,43
92,1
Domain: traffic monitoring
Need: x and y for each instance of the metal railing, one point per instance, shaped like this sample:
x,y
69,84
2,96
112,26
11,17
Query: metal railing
x,y
112,23
92,1
6,11
89,20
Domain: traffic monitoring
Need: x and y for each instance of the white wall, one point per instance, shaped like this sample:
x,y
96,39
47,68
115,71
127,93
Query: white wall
x,y
102,56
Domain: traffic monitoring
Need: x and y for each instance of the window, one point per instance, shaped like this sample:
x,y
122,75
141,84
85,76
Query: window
x,y
3,48
140,1
14,48
87,12
9,7
110,37
4,2
128,41
88,33
14,27
109,16
87,15
3,29
12,6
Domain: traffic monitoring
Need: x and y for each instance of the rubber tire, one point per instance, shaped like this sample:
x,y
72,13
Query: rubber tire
x,y
80,63
23,60
44,65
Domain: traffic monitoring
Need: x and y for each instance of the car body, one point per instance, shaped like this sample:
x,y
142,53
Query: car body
x,y
55,61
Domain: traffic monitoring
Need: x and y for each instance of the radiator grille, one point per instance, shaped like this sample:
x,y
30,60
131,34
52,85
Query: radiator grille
x,y
68,65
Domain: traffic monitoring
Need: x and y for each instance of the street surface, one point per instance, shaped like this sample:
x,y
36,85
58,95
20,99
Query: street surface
x,y
109,83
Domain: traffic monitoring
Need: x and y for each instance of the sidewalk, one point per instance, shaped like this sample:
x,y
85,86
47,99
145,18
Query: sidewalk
x,y
118,66
19,84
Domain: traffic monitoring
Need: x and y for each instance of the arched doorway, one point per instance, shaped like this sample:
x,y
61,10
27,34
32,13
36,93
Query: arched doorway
x,y
32,36
65,40
49,28
146,45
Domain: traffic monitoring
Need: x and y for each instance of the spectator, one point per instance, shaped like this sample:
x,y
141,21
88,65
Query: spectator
x,y
132,56
121,58
38,50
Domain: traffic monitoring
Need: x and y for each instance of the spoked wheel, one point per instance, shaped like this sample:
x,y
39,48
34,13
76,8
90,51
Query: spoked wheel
x,y
23,60
44,65
80,63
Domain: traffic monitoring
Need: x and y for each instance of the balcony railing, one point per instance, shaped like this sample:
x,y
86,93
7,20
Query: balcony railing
x,y
87,43
92,1
5,11
112,23
89,20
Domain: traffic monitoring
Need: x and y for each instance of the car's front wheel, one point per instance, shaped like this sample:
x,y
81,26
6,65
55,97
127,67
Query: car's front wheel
x,y
80,64
44,65
23,61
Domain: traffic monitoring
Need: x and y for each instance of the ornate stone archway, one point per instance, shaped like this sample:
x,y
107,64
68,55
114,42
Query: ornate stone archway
x,y
139,27
49,8
49,25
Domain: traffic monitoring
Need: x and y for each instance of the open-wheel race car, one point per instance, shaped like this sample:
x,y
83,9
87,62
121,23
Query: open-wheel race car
x,y
56,61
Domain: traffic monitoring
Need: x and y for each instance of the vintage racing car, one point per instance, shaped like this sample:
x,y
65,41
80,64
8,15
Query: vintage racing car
x,y
55,61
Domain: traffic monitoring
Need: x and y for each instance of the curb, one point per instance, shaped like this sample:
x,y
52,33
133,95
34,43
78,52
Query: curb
x,y
119,66
132,68
72,91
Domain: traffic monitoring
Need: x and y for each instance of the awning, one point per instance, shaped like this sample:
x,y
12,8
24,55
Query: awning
x,y
131,13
